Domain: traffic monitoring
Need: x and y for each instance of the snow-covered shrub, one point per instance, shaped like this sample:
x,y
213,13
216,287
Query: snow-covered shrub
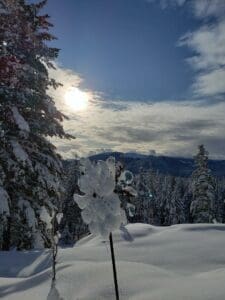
x,y
100,204
101,207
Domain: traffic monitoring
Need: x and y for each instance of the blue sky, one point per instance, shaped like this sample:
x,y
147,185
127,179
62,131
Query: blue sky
x,y
126,49
155,70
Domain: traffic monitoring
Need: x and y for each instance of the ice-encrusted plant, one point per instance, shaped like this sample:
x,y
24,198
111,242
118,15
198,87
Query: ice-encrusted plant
x,y
54,222
100,205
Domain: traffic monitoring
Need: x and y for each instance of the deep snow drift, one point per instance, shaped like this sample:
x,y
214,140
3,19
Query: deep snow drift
x,y
160,263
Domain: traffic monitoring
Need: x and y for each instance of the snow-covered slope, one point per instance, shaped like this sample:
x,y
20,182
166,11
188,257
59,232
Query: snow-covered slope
x,y
180,262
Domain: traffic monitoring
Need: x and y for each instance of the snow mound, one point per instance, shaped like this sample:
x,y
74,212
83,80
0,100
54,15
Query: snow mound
x,y
183,262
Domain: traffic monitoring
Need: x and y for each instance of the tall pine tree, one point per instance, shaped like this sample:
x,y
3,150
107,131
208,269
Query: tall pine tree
x,y
72,226
30,168
203,190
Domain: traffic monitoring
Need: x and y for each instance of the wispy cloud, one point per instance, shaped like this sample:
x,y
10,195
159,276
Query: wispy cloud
x,y
200,8
174,128
207,8
165,3
208,43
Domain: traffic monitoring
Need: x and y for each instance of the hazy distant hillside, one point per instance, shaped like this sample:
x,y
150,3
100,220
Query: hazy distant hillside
x,y
176,166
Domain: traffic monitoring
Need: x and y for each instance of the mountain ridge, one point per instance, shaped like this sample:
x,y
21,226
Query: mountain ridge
x,y
176,166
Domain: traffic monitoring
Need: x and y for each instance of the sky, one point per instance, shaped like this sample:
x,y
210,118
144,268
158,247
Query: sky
x,y
154,72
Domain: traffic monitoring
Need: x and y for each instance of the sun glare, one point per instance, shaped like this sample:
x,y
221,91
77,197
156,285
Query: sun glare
x,y
76,99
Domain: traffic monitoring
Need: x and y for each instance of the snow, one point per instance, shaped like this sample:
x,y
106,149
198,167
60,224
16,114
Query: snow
x,y
4,198
45,217
126,177
29,212
181,262
19,153
130,190
45,177
21,123
54,293
100,205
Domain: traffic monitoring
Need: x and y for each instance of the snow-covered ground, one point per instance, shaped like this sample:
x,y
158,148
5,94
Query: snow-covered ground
x,y
180,262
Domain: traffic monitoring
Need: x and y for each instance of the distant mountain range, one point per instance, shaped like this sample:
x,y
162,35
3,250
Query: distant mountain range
x,y
176,166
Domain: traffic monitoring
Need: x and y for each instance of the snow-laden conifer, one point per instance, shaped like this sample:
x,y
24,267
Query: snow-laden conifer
x,y
72,227
30,166
203,189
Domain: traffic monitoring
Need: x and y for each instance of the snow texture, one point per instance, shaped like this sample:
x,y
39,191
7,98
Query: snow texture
x,y
45,217
54,293
19,153
21,123
29,212
126,177
38,241
4,205
181,262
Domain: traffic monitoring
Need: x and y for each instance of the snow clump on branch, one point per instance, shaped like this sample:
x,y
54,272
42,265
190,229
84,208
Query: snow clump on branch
x,y
100,204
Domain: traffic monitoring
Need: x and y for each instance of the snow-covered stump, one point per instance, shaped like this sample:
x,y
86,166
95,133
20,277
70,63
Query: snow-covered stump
x,y
100,205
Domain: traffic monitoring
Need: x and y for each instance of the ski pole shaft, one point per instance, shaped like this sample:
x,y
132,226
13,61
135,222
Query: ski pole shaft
x,y
114,266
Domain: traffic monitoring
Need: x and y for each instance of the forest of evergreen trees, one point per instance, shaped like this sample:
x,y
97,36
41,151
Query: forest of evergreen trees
x,y
160,199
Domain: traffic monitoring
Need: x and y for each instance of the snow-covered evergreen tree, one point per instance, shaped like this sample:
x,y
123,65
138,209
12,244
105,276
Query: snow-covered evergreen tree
x,y
30,167
124,189
203,190
161,199
175,202
144,202
179,199
167,204
220,200
72,227
186,199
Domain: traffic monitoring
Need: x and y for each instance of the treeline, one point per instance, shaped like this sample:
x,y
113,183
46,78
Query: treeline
x,y
166,200
160,199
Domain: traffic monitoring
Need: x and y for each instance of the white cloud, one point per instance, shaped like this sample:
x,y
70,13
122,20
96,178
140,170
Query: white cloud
x,y
211,83
208,43
200,8
165,3
168,127
68,78
206,8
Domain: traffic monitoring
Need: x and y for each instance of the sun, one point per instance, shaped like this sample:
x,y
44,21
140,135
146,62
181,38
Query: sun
x,y
76,99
